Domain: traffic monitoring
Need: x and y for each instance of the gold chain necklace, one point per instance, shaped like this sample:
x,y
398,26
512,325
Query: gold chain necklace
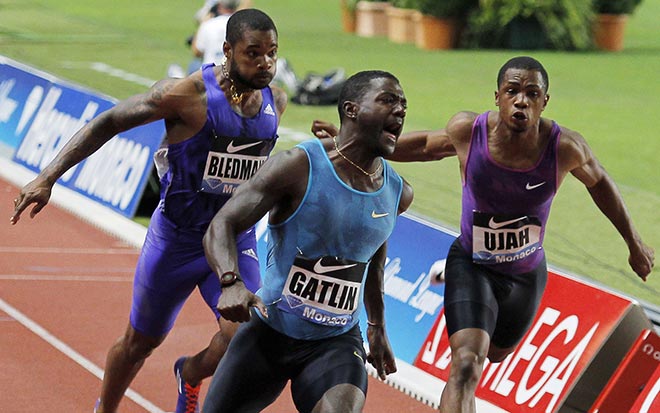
x,y
236,98
370,175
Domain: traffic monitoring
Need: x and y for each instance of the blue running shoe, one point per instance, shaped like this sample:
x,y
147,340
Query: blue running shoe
x,y
188,395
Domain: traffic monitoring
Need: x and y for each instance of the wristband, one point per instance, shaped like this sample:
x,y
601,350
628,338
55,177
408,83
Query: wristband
x,y
229,278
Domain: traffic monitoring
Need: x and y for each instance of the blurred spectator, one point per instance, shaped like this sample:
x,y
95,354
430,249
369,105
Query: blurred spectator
x,y
207,42
207,45
203,13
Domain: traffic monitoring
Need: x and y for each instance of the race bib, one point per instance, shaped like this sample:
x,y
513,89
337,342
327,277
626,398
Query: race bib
x,y
504,238
232,161
324,290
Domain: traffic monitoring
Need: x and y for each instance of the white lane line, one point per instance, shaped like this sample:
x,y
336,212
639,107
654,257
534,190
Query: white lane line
x,y
122,74
293,135
56,250
71,353
112,71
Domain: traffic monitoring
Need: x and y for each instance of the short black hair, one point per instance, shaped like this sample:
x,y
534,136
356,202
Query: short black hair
x,y
247,19
357,86
524,63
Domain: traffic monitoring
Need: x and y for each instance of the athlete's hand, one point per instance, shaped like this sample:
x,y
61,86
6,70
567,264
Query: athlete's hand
x,y
235,302
380,353
36,192
322,129
641,259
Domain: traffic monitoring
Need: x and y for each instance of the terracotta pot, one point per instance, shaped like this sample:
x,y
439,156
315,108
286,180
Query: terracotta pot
x,y
401,25
347,18
609,30
434,33
371,20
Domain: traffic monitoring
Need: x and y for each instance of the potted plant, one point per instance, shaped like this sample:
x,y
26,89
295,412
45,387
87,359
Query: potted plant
x,y
348,15
401,21
610,23
439,22
528,25
370,18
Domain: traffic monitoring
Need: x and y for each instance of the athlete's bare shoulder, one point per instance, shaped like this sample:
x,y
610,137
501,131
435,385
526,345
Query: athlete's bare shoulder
x,y
459,127
281,99
196,80
285,167
175,93
283,180
461,121
464,116
570,139
181,103
573,150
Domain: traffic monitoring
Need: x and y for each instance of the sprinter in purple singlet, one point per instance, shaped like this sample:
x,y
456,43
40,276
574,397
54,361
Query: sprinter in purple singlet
x,y
512,162
221,125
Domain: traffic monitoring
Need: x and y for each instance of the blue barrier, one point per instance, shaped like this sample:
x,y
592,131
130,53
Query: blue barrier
x,y
39,113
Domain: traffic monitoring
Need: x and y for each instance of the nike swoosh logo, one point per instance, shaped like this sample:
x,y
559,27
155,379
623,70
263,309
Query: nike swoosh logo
x,y
231,148
496,225
530,187
322,269
375,214
355,353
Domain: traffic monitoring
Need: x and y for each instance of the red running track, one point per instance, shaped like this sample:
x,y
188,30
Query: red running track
x,y
65,291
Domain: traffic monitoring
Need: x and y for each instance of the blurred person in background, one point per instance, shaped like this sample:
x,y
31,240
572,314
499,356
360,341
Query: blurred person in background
x,y
210,36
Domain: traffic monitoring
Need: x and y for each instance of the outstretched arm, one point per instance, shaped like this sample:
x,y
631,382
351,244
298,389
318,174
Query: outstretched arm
x,y
410,147
423,146
135,111
607,197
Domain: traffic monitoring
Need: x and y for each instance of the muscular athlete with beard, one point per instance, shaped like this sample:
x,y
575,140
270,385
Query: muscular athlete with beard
x,y
221,125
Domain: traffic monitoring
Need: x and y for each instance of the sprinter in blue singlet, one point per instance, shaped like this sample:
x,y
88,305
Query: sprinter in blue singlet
x,y
332,206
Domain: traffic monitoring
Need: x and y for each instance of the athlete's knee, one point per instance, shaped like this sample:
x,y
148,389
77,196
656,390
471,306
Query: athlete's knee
x,y
342,398
466,366
138,346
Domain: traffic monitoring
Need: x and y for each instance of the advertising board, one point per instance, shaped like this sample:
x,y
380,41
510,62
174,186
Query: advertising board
x,y
39,114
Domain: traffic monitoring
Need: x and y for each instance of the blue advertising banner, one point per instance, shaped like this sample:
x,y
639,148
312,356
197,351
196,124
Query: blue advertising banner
x,y
412,302
21,94
40,113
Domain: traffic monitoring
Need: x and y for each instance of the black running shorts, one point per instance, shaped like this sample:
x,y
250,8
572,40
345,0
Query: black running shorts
x,y
260,361
503,305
